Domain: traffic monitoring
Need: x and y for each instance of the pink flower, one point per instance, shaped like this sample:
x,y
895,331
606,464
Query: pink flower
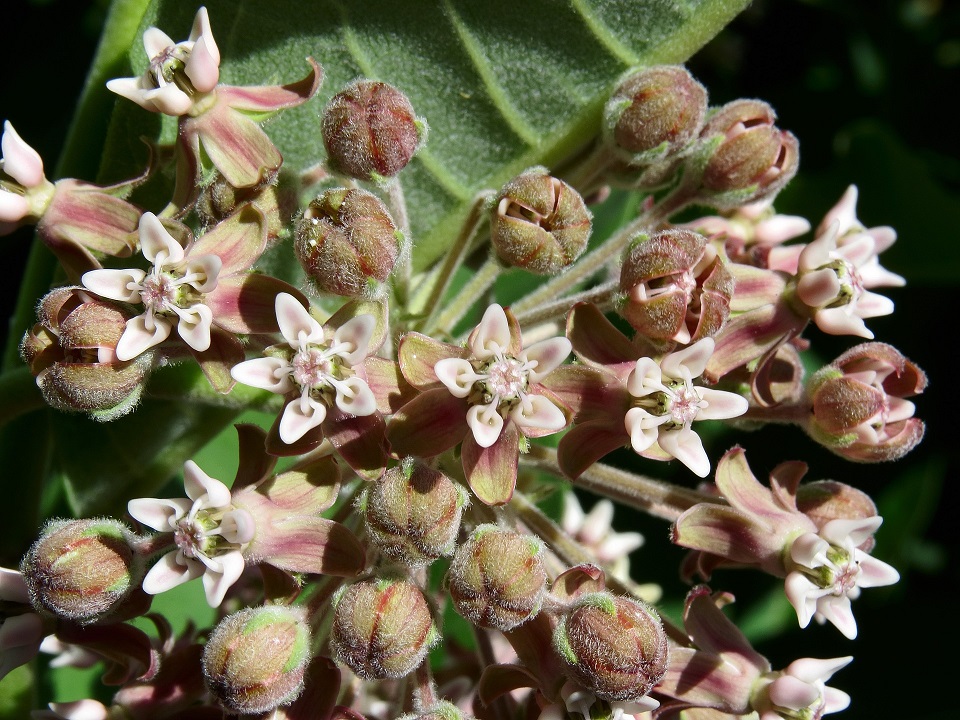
x,y
20,632
801,690
594,530
24,190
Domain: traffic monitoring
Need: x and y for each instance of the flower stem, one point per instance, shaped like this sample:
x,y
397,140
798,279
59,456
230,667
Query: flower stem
x,y
20,394
398,206
602,296
471,292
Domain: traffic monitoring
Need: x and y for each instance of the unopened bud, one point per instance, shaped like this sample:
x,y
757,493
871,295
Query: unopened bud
x,y
826,500
81,570
347,243
678,287
443,710
613,646
497,578
72,353
255,659
655,112
539,223
370,130
754,159
413,513
382,628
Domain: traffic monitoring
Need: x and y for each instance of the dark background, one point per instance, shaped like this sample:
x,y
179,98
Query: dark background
x,y
869,87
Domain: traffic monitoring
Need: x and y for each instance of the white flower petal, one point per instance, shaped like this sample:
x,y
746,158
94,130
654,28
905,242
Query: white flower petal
x,y
169,100
836,610
597,523
355,397
834,700
809,550
122,285
686,446
853,530
299,418
485,423
158,513
840,321
819,287
692,359
216,584
645,378
873,572
21,630
619,545
157,245
203,65
457,374
156,42
792,693
492,335
548,355
138,337
238,526
803,595
720,405
81,710
20,161
538,413
132,89
200,486
13,587
354,337
168,573
294,320
194,326
266,373
870,304
812,670
572,519
643,428
207,267
13,207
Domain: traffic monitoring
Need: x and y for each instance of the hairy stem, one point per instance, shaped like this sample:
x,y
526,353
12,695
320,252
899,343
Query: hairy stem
x,y
602,296
478,285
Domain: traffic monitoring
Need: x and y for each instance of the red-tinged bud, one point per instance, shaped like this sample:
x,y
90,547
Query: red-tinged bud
x,y
255,659
826,500
677,287
539,223
655,112
413,513
82,570
858,403
72,353
497,579
347,243
370,130
753,160
613,646
382,628
443,710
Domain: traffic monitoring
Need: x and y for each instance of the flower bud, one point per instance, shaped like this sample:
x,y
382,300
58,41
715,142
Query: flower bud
x,y
369,130
539,223
255,659
442,710
655,112
81,570
413,513
382,628
858,405
72,353
497,579
677,286
826,500
347,243
754,159
613,646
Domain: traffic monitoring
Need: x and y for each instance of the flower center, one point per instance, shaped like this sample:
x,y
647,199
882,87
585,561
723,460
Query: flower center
x,y
189,535
685,404
158,291
506,378
167,66
312,367
851,284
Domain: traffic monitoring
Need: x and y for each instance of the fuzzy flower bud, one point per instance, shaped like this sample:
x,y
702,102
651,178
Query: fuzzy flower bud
x,y
347,243
497,579
655,112
613,646
72,353
255,659
382,628
826,500
413,513
442,710
754,158
539,223
81,570
370,130
677,287
858,404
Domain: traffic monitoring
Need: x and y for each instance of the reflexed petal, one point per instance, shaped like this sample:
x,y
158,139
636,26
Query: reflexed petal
x,y
237,146
354,336
156,41
238,526
294,319
432,422
137,337
200,486
267,373
203,65
836,610
158,513
840,321
168,573
873,572
809,550
13,207
818,252
170,100
122,285
216,584
720,404
537,412
492,335
693,359
208,267
157,245
194,326
355,397
803,595
834,700
485,423
131,89
790,692
548,355
299,418
856,530
586,443
645,378
20,161
643,428
811,670
457,375
872,305
686,446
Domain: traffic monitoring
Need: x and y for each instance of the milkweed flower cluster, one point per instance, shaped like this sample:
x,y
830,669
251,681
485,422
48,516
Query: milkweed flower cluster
x,y
411,440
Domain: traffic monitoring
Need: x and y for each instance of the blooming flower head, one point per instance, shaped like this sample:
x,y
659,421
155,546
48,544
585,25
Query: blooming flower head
x,y
24,190
666,403
209,535
595,532
800,691
178,72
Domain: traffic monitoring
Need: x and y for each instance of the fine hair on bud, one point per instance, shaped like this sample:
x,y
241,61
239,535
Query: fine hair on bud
x,y
614,646
370,130
382,628
254,661
82,570
497,579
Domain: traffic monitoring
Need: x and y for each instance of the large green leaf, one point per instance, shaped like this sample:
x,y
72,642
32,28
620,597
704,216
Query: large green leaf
x,y
503,85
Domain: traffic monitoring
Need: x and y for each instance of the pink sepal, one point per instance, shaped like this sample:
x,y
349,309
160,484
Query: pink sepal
x,y
360,440
492,471
428,425
270,98
418,354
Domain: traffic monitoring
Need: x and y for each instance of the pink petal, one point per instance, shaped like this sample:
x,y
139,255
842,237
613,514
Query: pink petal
x,y
354,335
115,284
686,446
843,214
780,228
492,471
203,65
216,584
858,249
267,373
137,337
169,100
790,692
457,374
693,359
21,630
840,321
360,441
157,245
431,423
817,253
389,387
131,89
535,412
586,443
643,428
548,355
158,513
645,378
300,417
156,41
837,611
355,397
714,633
199,486
721,405
270,98
834,700
237,146
239,240
245,303
308,544
492,335
870,304
874,573
13,207
13,588
811,670
20,161
194,326
595,339
294,320
168,573
201,27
